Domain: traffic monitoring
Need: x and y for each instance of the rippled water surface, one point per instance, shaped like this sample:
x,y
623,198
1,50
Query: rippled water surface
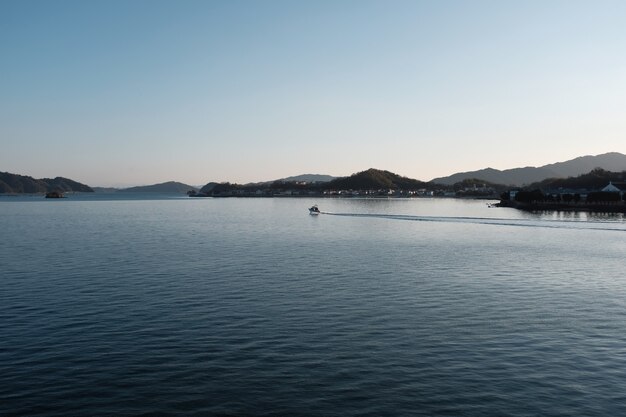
x,y
253,307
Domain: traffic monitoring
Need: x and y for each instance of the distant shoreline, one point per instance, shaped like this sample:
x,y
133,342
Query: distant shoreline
x,y
338,196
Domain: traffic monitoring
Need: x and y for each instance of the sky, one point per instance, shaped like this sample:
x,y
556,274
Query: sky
x,y
133,92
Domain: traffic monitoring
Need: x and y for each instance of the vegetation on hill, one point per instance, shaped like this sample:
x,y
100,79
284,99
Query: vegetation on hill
x,y
478,187
594,180
381,182
585,189
66,185
223,188
208,188
13,183
375,179
18,184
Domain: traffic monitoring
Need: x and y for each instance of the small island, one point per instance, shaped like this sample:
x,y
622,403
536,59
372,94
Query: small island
x,y
55,194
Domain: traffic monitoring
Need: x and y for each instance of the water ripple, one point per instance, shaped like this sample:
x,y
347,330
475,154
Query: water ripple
x,y
243,308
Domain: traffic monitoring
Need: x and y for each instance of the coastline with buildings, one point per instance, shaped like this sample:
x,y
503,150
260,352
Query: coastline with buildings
x,y
610,199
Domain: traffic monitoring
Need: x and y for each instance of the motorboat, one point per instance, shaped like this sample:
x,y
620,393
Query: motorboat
x,y
314,210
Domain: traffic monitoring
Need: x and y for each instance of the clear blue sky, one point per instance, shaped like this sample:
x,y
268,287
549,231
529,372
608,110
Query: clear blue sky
x,y
138,92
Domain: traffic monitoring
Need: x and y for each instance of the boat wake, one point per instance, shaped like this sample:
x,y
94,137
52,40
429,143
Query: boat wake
x,y
556,224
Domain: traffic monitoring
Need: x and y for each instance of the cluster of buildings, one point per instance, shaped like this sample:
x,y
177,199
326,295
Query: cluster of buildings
x,y
610,198
268,192
379,193
611,190
474,191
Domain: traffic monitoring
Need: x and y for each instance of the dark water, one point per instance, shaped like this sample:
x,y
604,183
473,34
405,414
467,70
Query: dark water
x,y
252,307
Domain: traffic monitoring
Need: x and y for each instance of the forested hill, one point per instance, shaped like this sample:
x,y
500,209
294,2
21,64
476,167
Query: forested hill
x,y
375,179
372,179
594,180
19,184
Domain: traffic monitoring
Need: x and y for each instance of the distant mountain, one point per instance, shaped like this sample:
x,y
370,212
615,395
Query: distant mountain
x,y
612,161
515,176
14,183
374,179
103,190
309,178
171,187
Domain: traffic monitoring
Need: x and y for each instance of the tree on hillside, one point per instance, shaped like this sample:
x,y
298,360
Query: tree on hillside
x,y
594,180
530,196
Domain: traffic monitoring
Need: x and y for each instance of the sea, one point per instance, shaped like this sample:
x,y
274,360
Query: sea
x,y
153,305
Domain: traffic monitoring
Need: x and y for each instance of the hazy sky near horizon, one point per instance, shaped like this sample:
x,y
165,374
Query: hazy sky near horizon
x,y
140,92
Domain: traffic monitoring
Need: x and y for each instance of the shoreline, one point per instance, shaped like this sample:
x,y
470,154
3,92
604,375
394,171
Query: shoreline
x,y
617,207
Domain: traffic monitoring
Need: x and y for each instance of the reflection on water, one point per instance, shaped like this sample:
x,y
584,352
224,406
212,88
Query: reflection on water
x,y
580,216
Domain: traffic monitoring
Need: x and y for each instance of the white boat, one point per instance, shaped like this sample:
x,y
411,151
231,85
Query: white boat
x,y
314,210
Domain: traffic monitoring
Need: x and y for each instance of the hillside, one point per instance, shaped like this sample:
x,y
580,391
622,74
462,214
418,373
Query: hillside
x,y
612,161
21,184
209,187
170,187
372,179
515,176
594,180
375,179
